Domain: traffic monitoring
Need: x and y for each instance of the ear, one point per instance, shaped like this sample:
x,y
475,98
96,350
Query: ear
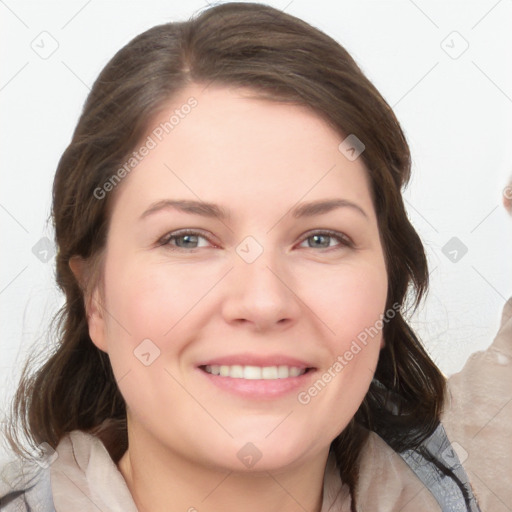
x,y
93,304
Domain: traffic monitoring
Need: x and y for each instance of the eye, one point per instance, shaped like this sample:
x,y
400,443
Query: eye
x,y
322,239
186,239
189,240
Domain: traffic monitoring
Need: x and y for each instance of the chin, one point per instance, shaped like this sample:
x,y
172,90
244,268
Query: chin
x,y
274,453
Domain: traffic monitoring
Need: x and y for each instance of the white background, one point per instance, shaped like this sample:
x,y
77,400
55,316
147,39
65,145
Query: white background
x,y
456,113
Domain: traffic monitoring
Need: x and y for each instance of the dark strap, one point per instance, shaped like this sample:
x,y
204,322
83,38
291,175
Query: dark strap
x,y
437,465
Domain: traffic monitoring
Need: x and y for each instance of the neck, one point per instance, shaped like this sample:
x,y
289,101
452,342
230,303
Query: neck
x,y
161,480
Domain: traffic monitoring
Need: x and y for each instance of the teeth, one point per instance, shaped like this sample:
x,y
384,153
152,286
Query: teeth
x,y
269,372
254,372
282,372
236,371
295,372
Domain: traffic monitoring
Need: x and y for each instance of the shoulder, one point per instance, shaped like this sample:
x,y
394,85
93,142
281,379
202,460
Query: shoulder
x,y
84,476
29,484
386,482
483,388
478,415
25,485
78,475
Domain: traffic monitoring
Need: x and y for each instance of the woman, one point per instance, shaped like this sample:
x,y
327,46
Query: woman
x,y
236,256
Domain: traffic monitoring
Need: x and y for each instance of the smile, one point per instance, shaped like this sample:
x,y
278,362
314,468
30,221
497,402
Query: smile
x,y
254,372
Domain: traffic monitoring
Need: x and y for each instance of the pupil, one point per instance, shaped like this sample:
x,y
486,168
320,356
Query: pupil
x,y
319,237
187,239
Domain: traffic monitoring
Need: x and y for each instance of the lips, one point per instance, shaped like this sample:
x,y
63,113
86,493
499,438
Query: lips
x,y
257,360
257,377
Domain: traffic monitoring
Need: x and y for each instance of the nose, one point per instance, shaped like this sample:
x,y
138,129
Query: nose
x,y
262,294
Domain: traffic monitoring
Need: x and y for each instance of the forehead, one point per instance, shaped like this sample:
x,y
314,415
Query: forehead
x,y
231,146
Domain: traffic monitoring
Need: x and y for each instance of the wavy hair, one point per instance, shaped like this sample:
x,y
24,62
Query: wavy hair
x,y
281,58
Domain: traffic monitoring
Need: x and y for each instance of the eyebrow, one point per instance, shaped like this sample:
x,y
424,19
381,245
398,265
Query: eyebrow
x,y
188,206
213,210
325,206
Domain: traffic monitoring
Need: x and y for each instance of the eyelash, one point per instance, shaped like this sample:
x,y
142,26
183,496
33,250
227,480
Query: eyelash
x,y
344,240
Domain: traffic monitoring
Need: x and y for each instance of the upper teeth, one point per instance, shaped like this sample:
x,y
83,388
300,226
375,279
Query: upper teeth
x,y
254,372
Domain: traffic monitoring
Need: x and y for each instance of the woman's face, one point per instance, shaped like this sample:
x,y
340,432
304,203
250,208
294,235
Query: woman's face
x,y
252,340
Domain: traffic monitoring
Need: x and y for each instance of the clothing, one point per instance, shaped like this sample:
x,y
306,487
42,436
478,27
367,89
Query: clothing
x,y
84,478
477,420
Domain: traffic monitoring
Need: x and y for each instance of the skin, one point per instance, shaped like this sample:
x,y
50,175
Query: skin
x,y
302,297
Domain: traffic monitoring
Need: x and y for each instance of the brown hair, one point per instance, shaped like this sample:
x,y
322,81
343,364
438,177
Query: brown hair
x,y
281,58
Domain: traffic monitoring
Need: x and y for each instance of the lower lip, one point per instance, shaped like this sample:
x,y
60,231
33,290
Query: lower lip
x,y
259,388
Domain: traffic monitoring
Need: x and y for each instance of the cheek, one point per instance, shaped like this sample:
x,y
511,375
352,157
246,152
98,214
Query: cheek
x,y
359,323
150,300
349,301
144,306
153,310
353,305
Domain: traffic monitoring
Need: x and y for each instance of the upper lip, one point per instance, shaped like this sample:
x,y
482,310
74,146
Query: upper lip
x,y
256,360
